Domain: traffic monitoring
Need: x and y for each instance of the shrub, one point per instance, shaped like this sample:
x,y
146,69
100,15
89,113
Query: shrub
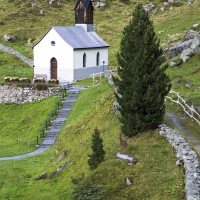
x,y
41,86
53,81
39,80
24,80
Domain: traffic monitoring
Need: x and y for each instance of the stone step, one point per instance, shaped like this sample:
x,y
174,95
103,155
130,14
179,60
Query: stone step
x,y
63,113
45,145
50,137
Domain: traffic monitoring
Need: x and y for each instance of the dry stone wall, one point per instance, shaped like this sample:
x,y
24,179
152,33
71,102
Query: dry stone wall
x,y
185,155
13,94
16,53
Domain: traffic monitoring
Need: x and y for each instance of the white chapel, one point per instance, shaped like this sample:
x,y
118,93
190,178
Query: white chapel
x,y
69,53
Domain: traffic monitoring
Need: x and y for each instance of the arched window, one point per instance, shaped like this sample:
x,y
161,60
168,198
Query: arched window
x,y
97,59
84,60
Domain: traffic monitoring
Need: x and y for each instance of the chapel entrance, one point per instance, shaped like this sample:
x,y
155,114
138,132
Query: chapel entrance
x,y
53,68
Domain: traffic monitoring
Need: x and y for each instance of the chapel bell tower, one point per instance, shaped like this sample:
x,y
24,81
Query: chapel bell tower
x,y
84,14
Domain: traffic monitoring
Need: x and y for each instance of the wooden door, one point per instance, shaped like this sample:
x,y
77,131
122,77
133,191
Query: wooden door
x,y
53,68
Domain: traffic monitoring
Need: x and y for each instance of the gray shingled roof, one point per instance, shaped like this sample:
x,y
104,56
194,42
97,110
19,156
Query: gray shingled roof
x,y
78,38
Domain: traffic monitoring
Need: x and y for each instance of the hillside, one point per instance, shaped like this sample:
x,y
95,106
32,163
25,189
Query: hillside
x,y
155,175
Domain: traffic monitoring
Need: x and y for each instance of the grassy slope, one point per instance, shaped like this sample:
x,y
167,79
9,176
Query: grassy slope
x,y
156,175
21,123
20,173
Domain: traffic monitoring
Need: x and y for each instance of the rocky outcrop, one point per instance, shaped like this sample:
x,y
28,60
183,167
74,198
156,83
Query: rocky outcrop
x,y
41,177
16,53
188,157
178,48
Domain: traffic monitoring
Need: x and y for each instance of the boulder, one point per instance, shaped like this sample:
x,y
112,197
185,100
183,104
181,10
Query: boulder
x,y
9,38
42,176
128,181
175,63
100,5
162,9
186,54
178,48
62,156
196,42
190,34
148,7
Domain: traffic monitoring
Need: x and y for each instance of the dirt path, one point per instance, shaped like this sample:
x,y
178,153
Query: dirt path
x,y
190,138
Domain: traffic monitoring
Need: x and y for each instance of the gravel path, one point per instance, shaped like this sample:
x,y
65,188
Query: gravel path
x,y
194,141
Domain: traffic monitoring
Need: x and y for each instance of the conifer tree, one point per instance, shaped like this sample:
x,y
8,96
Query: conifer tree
x,y
142,82
98,152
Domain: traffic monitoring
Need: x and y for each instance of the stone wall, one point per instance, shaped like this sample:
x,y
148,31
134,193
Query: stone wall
x,y
16,53
185,155
9,94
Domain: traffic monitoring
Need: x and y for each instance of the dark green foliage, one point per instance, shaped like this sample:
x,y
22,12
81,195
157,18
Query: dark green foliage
x,y
88,193
142,83
98,152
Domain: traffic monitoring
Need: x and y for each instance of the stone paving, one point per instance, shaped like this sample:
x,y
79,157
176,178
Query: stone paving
x,y
52,134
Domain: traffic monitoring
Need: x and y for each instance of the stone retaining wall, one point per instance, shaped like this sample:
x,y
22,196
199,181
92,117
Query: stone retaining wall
x,y
9,94
16,53
187,157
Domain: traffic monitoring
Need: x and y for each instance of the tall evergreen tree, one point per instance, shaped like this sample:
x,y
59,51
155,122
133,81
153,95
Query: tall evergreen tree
x,y
98,152
142,82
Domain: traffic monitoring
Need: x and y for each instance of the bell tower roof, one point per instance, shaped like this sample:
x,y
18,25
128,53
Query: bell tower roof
x,y
83,12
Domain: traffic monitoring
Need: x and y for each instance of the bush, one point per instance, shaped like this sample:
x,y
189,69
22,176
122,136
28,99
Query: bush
x,y
53,81
24,80
41,86
39,80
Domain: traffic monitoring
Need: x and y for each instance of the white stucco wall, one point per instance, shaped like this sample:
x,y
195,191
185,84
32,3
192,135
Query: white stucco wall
x,y
69,60
91,55
44,52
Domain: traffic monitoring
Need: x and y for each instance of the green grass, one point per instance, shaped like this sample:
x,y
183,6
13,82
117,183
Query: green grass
x,y
10,65
154,176
21,123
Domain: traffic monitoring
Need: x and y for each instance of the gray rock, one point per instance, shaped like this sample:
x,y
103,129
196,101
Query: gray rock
x,y
42,176
166,3
178,48
186,54
188,86
148,7
175,63
100,5
179,163
128,181
190,34
9,38
115,106
162,9
62,156
196,42
195,25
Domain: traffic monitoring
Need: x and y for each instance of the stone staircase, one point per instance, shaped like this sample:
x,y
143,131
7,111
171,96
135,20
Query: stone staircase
x,y
63,113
